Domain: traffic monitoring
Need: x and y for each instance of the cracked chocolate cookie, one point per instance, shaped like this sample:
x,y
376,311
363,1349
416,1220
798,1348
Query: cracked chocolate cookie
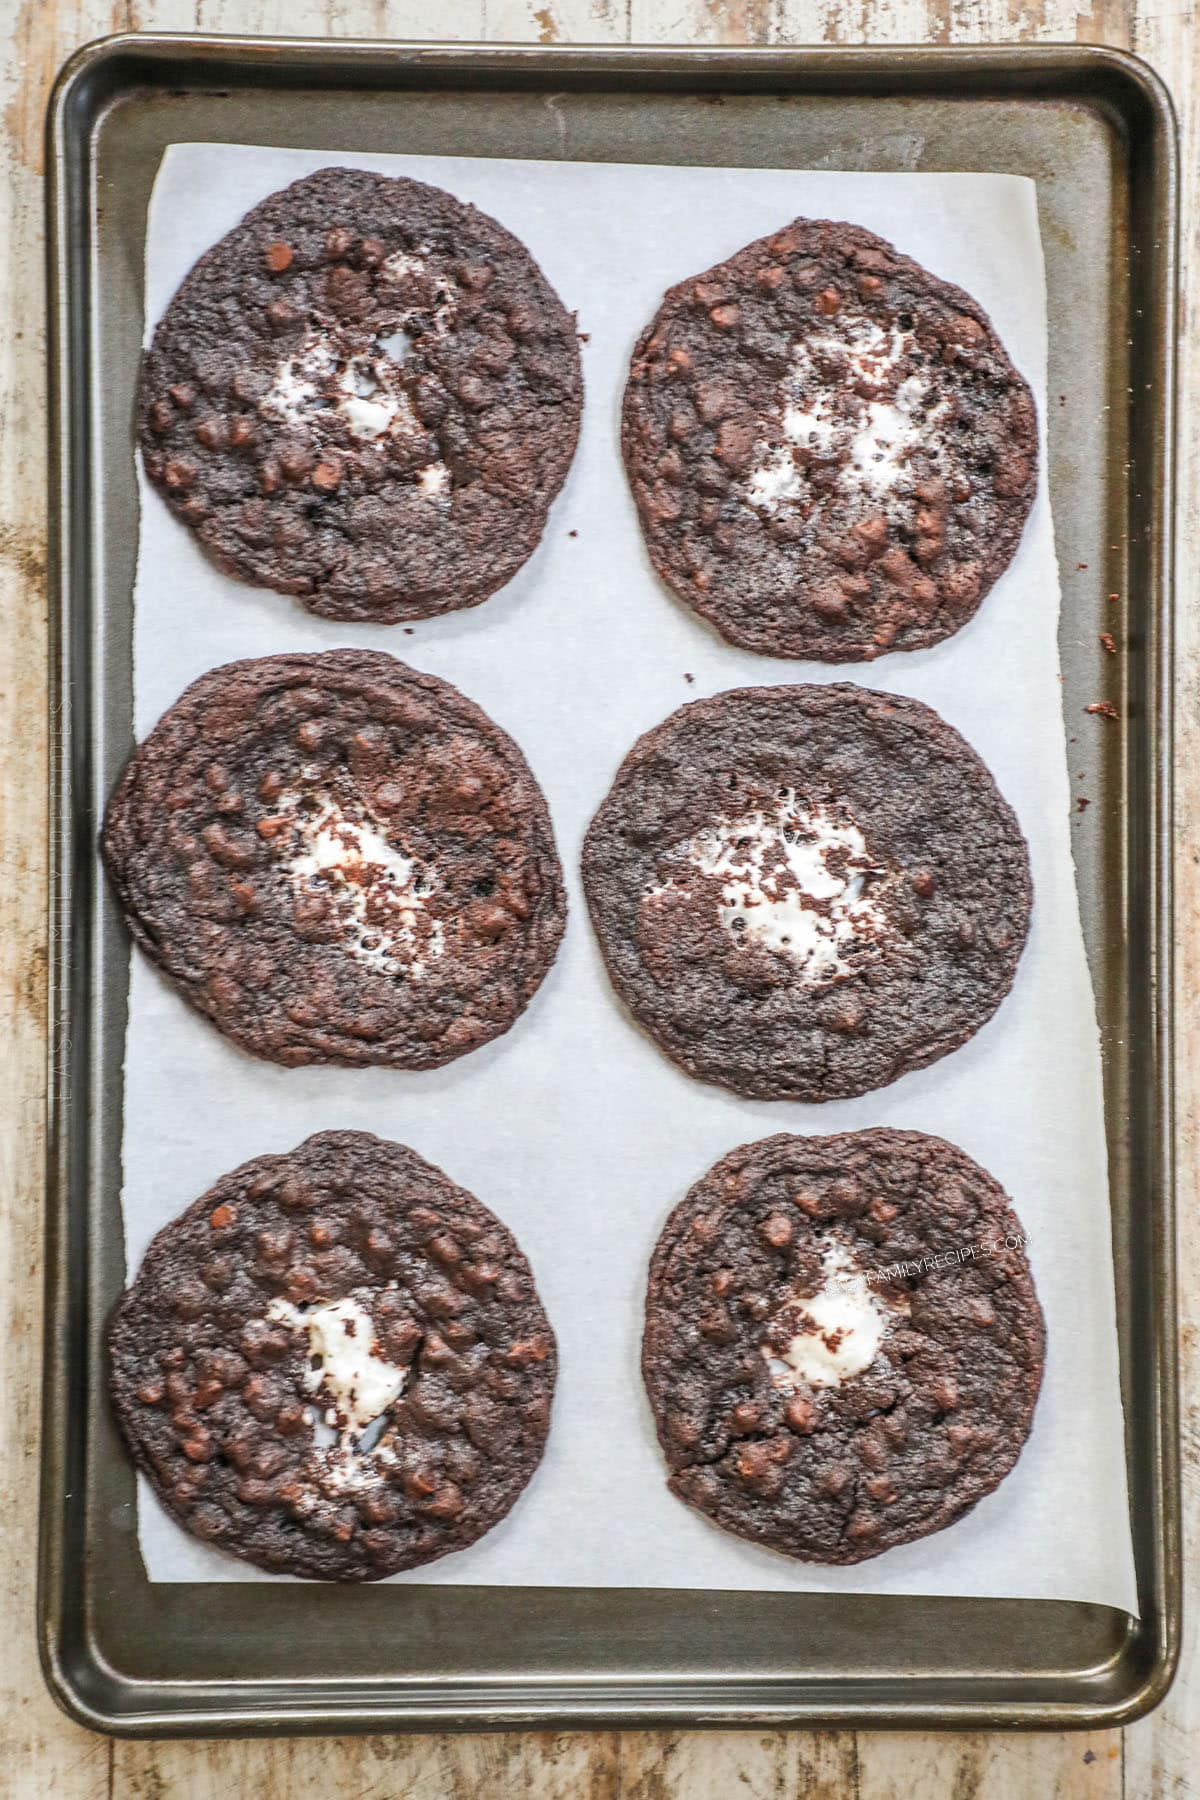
x,y
831,453
803,892
335,1364
366,395
338,859
843,1345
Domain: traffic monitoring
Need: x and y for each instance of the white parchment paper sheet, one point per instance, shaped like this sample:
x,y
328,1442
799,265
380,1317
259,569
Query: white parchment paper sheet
x,y
573,1127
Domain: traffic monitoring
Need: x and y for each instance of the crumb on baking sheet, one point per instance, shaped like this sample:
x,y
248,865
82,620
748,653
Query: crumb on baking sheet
x,y
1104,709
1109,642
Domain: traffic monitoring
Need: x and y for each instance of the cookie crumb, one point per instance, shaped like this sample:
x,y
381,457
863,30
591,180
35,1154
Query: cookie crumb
x,y
1104,709
1082,804
572,534
1081,565
1109,642
1114,596
688,678
408,631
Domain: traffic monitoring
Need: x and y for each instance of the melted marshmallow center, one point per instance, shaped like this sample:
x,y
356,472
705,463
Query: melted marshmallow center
x,y
825,415
366,389
380,894
842,1327
349,1365
349,1371
795,880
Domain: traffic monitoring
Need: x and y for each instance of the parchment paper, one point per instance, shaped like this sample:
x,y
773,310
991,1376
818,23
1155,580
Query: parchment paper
x,y
573,1127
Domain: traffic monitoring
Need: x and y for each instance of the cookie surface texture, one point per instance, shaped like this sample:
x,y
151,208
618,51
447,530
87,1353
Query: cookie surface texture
x,y
366,395
831,453
335,1363
804,892
338,859
843,1345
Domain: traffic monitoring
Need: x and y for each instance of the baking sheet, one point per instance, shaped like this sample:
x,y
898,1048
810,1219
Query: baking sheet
x,y
573,1127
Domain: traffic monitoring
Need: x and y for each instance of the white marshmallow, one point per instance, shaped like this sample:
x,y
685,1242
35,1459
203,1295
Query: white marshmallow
x,y
846,1323
876,437
772,865
338,850
353,1374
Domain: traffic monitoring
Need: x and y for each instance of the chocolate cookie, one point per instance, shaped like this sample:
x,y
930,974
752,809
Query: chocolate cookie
x,y
338,859
803,892
335,1364
831,453
366,395
843,1344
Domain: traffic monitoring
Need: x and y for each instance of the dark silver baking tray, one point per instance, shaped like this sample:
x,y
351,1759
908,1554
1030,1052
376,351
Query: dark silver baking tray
x,y
1095,129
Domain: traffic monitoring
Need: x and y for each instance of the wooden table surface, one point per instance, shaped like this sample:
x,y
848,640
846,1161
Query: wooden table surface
x,y
42,1755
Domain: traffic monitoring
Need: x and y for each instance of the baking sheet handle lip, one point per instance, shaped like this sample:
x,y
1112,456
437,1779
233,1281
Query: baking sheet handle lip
x,y
945,60
326,1709
53,1522
1154,1645
1166,1469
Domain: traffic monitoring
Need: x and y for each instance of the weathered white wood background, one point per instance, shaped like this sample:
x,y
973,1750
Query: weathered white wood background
x,y
42,1756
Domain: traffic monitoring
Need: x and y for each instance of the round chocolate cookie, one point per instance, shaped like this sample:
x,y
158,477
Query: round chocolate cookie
x,y
335,1364
843,1344
831,453
366,395
338,859
803,892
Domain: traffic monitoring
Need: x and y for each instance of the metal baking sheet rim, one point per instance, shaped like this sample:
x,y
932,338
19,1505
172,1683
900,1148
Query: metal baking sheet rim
x,y
1142,1666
